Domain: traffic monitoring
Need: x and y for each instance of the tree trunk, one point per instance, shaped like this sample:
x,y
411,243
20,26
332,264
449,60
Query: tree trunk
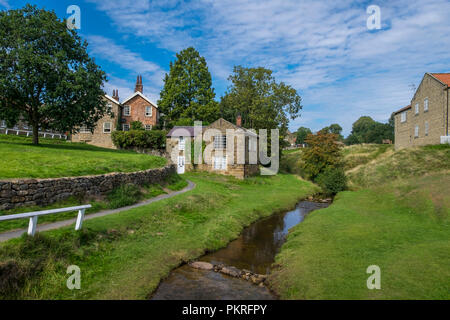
x,y
35,133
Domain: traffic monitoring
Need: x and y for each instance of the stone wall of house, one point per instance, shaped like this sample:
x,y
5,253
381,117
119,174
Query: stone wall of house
x,y
100,138
435,117
28,192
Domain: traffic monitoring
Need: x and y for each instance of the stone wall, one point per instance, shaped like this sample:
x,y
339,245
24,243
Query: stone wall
x,y
28,192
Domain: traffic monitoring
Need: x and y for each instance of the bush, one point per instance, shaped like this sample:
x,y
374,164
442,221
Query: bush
x,y
152,139
136,125
332,180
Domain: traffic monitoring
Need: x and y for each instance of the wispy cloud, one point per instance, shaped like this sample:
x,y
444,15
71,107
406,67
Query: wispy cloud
x,y
4,3
322,48
124,58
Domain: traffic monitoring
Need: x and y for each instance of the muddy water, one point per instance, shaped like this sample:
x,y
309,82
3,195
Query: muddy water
x,y
254,250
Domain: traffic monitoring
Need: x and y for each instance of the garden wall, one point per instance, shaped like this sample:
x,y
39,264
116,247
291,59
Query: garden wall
x,y
28,192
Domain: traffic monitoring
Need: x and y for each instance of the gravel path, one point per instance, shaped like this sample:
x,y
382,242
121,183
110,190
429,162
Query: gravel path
x,y
55,225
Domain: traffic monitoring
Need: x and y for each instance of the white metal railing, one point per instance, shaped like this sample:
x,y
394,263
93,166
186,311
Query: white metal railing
x,y
30,133
34,216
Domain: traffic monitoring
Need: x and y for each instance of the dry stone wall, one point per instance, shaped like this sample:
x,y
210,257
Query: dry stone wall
x,y
28,192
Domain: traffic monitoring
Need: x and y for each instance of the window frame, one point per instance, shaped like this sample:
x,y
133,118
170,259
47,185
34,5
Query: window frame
x,y
222,145
149,115
403,117
2,123
416,109
416,131
425,104
123,127
85,130
129,110
110,127
148,125
427,128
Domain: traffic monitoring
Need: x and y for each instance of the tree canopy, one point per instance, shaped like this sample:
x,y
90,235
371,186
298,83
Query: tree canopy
x,y
367,130
335,129
46,75
187,94
301,134
262,102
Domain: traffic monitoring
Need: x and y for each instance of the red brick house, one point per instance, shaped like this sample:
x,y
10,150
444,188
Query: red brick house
x,y
138,107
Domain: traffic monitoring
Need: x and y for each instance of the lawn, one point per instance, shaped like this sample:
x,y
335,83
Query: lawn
x,y
125,255
58,158
397,218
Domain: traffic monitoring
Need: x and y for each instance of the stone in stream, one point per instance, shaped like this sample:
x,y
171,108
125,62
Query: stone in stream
x,y
201,265
231,271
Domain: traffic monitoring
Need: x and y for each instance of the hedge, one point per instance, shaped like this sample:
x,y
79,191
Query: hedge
x,y
152,139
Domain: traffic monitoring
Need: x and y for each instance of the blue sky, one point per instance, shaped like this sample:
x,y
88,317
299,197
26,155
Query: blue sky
x,y
341,69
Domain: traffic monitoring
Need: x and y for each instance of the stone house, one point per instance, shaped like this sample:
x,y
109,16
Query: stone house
x,y
227,148
101,136
425,120
137,107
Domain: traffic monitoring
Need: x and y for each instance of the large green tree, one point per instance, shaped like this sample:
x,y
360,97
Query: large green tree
x,y
46,75
335,129
301,134
262,102
187,94
367,130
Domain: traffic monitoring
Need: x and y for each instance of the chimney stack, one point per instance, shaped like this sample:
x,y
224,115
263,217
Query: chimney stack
x,y
115,95
139,87
239,120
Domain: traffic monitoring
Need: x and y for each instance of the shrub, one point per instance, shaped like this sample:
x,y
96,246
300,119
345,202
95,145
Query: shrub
x,y
152,139
322,152
136,125
332,180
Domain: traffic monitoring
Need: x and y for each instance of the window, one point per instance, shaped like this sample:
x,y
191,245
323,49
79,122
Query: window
x,y
220,163
25,127
107,127
148,127
403,116
181,143
126,111
220,142
425,105
109,108
85,129
2,124
126,127
148,111
426,128
416,131
417,108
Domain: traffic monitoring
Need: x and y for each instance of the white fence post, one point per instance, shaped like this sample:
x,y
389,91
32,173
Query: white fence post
x,y
80,218
32,225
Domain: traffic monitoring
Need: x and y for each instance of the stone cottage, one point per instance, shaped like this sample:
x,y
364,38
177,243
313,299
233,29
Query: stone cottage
x,y
227,148
137,107
425,120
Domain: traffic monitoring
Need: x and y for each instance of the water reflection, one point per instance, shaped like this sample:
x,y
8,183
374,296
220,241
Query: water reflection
x,y
254,250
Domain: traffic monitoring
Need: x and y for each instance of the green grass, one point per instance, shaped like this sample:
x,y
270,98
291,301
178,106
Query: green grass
x,y
124,256
398,219
121,196
57,158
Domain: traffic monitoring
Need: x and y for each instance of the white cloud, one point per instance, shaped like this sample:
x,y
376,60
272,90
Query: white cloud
x,y
4,3
322,48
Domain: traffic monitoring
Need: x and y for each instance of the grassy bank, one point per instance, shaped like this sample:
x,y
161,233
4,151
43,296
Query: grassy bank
x,y
58,158
397,218
119,197
125,255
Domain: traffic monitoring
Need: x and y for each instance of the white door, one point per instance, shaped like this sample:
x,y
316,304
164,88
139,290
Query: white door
x,y
180,169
